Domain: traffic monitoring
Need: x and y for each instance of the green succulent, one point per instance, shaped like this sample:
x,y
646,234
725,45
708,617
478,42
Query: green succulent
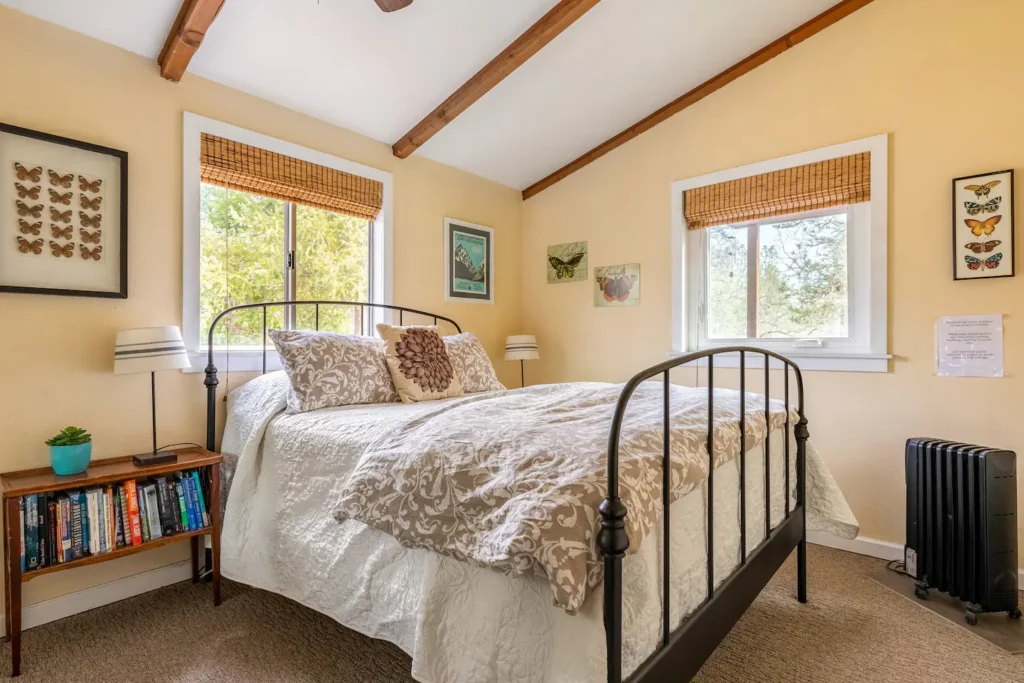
x,y
70,436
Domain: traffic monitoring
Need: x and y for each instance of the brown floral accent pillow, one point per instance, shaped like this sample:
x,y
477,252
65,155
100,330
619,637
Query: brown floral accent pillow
x,y
419,363
472,365
328,369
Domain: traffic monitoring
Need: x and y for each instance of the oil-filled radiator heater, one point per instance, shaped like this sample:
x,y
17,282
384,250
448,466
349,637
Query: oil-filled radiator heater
x,y
962,524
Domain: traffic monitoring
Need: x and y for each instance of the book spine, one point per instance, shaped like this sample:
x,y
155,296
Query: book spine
x,y
92,532
186,486
173,509
111,536
54,513
32,544
65,528
164,507
126,523
83,498
202,499
21,512
140,493
118,528
133,512
153,511
44,535
101,518
76,526
180,494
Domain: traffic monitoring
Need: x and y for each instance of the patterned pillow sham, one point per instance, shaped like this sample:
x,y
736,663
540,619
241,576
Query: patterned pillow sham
x,y
328,369
419,363
471,363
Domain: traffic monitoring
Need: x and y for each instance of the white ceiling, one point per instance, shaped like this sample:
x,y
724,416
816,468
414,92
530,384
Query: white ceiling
x,y
346,62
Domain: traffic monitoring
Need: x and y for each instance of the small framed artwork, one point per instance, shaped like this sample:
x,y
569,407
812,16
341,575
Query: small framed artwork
x,y
983,245
63,216
617,285
567,262
468,262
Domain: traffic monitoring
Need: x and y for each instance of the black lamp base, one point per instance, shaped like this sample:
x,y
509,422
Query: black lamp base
x,y
158,458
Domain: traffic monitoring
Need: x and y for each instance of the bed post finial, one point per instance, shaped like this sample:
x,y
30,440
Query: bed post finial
x,y
211,383
802,434
613,542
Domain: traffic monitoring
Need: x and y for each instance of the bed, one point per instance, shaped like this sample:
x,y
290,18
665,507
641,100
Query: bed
x,y
461,621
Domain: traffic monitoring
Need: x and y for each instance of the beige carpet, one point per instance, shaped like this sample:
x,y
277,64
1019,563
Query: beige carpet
x,y
851,630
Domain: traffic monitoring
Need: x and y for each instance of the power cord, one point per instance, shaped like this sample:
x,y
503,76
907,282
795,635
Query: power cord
x,y
174,445
898,567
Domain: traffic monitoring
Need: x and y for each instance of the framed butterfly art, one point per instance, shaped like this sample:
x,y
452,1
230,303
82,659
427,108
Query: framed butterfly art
x,y
567,263
72,197
983,244
617,285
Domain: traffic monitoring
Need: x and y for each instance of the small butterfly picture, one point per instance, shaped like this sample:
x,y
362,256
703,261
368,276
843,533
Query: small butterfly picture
x,y
983,226
617,285
58,180
33,247
27,228
91,204
61,198
66,250
566,269
93,253
33,175
60,233
89,185
27,192
60,216
26,210
90,237
90,222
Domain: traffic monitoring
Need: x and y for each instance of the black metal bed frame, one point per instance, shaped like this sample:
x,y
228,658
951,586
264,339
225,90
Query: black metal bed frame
x,y
684,650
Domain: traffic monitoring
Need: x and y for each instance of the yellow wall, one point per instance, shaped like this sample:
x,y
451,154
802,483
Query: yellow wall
x,y
56,353
910,68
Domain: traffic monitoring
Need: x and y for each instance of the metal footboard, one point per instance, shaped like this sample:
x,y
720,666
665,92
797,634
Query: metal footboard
x,y
682,652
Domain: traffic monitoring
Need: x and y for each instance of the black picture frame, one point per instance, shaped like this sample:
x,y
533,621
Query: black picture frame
x,y
122,158
957,219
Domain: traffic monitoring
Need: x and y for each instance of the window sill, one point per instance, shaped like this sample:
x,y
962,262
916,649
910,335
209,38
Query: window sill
x,y
825,360
242,360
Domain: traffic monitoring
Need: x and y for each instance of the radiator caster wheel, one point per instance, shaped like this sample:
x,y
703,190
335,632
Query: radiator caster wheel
x,y
1015,613
921,593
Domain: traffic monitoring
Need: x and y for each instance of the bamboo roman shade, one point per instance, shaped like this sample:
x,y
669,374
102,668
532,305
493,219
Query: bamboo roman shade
x,y
238,166
834,182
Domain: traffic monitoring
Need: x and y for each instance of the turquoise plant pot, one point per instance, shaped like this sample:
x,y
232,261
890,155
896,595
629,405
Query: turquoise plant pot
x,y
70,459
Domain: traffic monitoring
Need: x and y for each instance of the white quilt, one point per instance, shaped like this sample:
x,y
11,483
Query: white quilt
x,y
460,623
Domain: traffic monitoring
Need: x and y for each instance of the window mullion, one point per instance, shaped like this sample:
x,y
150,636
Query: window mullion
x,y
753,254
289,263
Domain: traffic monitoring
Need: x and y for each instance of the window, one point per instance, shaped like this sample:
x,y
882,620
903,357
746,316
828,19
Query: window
x,y
276,221
809,284
255,249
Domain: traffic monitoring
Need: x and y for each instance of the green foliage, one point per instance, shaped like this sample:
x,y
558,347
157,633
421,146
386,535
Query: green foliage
x,y
70,436
242,261
802,280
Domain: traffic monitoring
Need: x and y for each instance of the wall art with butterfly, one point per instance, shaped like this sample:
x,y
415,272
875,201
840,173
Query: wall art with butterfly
x,y
983,245
567,262
617,285
63,216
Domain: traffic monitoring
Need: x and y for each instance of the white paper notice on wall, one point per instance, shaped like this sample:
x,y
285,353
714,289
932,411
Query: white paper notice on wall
x,y
969,346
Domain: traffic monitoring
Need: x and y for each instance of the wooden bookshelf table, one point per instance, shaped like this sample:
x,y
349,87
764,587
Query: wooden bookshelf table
x,y
14,485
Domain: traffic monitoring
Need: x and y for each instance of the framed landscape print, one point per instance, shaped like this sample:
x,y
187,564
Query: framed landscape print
x,y
983,245
567,262
63,216
468,262
617,285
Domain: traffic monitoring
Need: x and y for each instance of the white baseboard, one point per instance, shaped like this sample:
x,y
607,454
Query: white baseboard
x,y
90,598
883,550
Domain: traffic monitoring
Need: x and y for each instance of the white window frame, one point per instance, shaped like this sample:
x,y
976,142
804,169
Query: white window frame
x,y
867,232
382,238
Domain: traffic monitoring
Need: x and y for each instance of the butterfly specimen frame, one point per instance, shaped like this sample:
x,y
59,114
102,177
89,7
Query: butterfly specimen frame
x,y
63,216
983,226
468,262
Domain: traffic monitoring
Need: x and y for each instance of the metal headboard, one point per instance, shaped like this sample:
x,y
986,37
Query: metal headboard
x,y
211,380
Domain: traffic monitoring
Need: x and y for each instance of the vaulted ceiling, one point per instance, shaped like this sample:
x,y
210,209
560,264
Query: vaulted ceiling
x,y
379,74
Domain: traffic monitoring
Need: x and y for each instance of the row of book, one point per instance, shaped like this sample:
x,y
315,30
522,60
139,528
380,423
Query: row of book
x,y
69,525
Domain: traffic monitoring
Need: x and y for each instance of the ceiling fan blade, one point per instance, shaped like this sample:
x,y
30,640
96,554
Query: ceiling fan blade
x,y
392,5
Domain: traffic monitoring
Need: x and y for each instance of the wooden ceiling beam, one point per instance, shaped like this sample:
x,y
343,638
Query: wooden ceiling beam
x,y
560,17
190,27
774,49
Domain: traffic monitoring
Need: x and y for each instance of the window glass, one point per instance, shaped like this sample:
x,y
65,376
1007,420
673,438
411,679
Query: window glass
x,y
726,310
241,261
802,272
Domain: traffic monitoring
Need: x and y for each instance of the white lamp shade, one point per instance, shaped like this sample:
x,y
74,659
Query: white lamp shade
x,y
521,347
148,349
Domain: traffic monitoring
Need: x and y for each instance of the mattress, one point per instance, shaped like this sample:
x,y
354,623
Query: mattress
x,y
460,622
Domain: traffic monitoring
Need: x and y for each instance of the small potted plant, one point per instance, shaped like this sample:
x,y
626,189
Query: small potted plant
x,y
70,450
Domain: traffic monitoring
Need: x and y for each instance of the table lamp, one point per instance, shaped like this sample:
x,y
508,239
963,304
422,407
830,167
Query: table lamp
x,y
521,347
149,349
